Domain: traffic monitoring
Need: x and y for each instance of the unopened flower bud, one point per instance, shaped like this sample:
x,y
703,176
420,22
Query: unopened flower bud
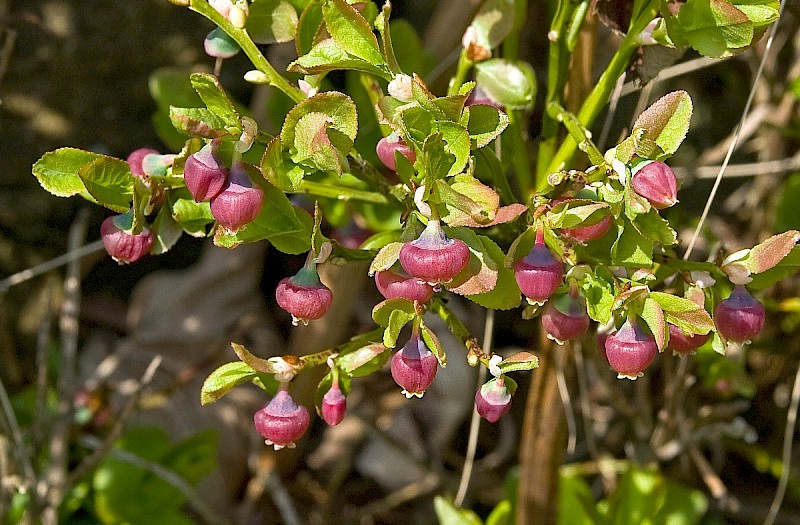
x,y
655,181
493,400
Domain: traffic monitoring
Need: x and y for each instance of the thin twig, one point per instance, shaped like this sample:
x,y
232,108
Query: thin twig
x,y
750,169
475,422
51,488
674,71
52,264
39,427
735,140
282,499
786,459
715,485
612,110
563,391
426,485
194,499
91,461
583,393
16,435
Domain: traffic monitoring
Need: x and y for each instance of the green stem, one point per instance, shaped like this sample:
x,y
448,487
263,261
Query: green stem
x,y
342,193
248,46
474,351
514,138
464,65
511,43
577,131
355,343
599,96
557,69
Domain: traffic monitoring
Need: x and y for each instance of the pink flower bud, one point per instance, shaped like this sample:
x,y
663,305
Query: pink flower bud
x,y
740,317
493,400
655,181
304,296
388,145
281,422
584,234
239,202
204,174
219,44
683,344
538,274
434,257
630,350
565,318
414,367
334,405
121,245
136,158
393,285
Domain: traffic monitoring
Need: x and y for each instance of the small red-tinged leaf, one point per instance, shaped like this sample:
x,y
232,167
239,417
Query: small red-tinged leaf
x,y
631,294
520,361
667,121
696,295
480,275
256,363
504,214
224,379
769,253
433,344
386,257
653,315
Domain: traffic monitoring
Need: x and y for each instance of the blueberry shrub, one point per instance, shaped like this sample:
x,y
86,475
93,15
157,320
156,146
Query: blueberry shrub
x,y
461,200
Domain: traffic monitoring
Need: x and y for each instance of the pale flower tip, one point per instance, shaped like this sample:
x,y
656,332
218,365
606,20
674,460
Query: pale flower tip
x,y
296,321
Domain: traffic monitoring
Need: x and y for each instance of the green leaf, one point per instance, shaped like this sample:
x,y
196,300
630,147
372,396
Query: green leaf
x,y
461,208
576,502
363,361
327,56
486,123
505,295
351,31
314,147
494,22
382,311
167,231
436,160
308,28
109,181
502,514
409,50
215,98
632,249
511,84
449,514
712,27
224,379
386,257
598,288
653,315
577,212
337,106
760,12
279,171
193,217
197,122
667,121
458,144
683,313
654,227
398,319
270,21
519,362
431,340
57,171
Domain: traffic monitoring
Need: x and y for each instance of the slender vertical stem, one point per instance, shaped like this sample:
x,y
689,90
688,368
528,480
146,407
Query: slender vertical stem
x,y
463,67
475,422
511,43
515,139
